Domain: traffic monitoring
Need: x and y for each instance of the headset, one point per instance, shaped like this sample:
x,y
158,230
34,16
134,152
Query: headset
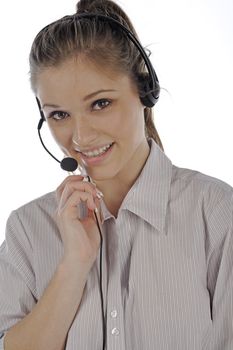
x,y
149,97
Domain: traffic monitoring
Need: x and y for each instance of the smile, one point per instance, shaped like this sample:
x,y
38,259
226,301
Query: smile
x,y
97,152
98,156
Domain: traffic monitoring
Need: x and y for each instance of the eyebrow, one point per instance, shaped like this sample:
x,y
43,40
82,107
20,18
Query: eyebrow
x,y
85,98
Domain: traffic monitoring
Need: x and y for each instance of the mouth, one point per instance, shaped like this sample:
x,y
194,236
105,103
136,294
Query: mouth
x,y
95,157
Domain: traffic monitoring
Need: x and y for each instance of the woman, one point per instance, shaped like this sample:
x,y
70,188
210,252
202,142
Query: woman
x,y
167,231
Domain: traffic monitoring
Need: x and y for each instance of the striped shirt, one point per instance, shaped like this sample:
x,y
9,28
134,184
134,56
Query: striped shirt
x,y
167,264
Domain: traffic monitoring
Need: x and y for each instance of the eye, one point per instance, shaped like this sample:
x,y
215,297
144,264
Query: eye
x,y
103,103
58,115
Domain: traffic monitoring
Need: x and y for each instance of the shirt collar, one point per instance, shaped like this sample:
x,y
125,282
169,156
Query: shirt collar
x,y
149,195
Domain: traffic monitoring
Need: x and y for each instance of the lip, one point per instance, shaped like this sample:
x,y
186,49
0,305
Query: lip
x,y
93,148
97,160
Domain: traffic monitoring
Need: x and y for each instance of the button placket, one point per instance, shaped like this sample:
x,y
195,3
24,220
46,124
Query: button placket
x,y
115,322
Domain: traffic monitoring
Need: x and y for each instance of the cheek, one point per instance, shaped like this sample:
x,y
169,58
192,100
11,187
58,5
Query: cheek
x,y
127,123
61,135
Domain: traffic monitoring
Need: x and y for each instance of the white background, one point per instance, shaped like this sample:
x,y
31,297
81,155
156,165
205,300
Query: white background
x,y
192,52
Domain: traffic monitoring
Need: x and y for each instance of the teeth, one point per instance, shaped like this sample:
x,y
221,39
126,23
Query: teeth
x,y
97,152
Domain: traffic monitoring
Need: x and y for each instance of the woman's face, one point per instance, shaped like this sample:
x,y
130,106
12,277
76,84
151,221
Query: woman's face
x,y
87,108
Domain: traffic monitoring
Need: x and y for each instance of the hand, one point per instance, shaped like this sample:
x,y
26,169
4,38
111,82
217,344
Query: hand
x,y
80,237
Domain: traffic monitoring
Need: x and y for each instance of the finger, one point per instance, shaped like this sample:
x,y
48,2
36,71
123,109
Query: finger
x,y
61,187
67,179
98,211
70,208
70,187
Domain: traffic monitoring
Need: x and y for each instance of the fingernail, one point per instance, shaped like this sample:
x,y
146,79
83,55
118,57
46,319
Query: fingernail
x,y
99,194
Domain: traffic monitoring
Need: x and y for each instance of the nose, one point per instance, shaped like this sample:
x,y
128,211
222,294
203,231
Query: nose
x,y
83,133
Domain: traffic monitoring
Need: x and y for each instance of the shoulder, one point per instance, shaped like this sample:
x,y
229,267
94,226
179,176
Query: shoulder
x,y
208,186
212,197
46,203
34,212
191,175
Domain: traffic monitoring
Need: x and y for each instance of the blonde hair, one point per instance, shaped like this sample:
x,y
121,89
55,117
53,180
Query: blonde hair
x,y
99,41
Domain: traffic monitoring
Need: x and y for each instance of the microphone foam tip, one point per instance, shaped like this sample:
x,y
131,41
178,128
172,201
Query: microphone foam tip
x,y
69,164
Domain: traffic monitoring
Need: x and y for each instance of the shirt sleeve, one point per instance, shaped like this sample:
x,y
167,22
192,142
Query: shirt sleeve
x,y
219,245
17,279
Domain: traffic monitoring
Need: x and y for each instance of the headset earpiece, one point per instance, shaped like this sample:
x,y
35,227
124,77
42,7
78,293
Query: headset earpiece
x,y
149,96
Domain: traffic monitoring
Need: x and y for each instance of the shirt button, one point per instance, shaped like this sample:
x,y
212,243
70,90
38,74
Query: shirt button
x,y
115,331
113,313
